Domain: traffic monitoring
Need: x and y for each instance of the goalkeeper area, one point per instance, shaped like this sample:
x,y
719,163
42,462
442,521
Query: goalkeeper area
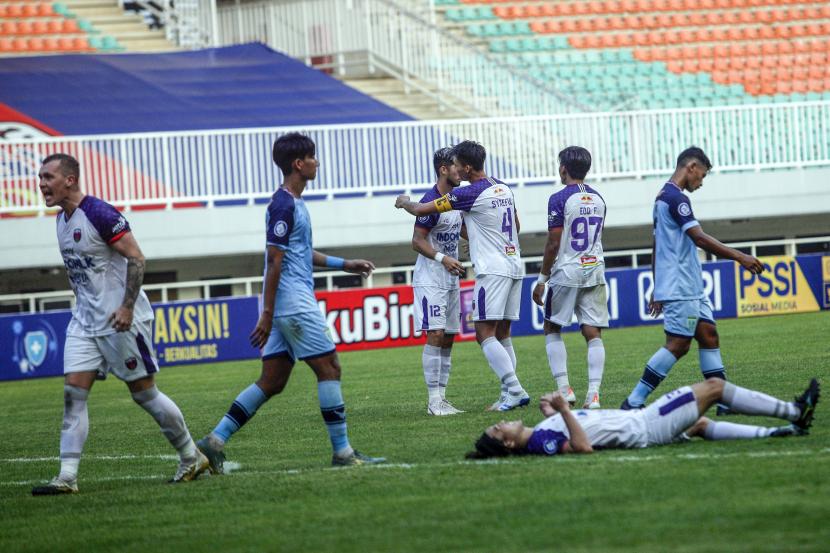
x,y
752,495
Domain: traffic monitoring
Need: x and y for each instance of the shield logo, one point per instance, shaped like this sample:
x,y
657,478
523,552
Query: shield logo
x,y
35,343
131,363
76,235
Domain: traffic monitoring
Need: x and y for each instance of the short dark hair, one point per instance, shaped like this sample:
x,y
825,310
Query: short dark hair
x,y
68,164
576,160
289,147
693,152
441,158
470,153
488,446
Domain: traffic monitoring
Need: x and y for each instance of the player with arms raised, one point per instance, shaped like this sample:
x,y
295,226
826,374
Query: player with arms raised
x,y
291,326
678,280
493,228
111,327
435,284
576,216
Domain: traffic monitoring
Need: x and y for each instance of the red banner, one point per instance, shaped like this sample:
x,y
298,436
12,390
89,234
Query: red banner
x,y
376,318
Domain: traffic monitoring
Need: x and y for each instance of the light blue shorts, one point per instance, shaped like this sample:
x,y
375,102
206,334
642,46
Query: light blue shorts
x,y
680,317
300,336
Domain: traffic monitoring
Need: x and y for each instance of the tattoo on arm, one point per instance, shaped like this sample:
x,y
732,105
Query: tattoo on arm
x,y
135,277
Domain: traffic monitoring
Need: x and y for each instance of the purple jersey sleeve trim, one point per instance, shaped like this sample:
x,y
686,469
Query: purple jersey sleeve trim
x,y
546,442
109,223
556,206
680,209
464,198
429,221
280,220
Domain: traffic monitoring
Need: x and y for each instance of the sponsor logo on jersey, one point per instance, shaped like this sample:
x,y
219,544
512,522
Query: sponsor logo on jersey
x,y
131,363
120,225
498,190
76,235
552,215
684,209
586,199
510,250
280,228
588,260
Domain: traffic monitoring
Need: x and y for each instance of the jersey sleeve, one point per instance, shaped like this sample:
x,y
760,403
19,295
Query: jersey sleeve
x,y
546,442
681,211
556,212
427,221
280,224
461,199
107,220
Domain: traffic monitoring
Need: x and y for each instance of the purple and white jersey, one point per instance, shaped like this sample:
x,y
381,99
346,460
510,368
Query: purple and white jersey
x,y
444,232
605,428
97,273
491,226
580,211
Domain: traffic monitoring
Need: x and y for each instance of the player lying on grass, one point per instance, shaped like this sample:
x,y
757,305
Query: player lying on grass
x,y
674,417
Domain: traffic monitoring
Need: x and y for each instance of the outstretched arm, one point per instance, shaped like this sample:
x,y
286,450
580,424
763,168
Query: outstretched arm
x,y
361,267
414,208
716,247
122,318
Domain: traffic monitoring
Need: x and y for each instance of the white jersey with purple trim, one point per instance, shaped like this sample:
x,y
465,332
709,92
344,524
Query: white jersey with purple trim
x,y
97,273
444,232
491,226
580,211
605,428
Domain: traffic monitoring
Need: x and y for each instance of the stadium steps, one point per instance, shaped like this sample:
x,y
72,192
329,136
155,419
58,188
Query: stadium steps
x,y
128,28
391,91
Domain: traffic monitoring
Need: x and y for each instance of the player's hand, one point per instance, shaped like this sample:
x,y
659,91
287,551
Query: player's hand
x,y
654,307
360,267
453,266
464,248
122,319
538,292
553,403
401,200
262,330
751,264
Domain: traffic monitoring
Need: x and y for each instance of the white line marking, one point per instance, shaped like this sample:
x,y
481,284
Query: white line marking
x,y
91,457
234,466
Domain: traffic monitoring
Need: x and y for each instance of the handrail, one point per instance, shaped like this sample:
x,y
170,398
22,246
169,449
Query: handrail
x,y
35,300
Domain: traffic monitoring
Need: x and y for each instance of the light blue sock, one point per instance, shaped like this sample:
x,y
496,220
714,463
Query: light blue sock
x,y
711,364
656,370
243,408
334,415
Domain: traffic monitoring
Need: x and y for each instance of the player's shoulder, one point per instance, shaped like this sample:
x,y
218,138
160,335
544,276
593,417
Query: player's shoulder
x,y
671,194
431,195
281,201
594,191
107,220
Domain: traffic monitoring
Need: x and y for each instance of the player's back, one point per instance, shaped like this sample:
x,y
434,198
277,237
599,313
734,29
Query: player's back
x,y
491,227
288,227
677,268
444,233
580,211
97,273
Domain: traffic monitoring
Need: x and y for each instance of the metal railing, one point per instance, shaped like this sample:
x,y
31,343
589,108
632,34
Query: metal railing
x,y
39,301
207,167
403,42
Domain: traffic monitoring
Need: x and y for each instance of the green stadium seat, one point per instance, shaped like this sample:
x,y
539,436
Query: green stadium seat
x,y
530,45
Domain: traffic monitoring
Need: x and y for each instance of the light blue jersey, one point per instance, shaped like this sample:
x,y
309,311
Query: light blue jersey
x,y
677,270
288,227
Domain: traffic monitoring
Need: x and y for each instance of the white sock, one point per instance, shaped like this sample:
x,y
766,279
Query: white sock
x,y
74,431
501,364
596,364
557,359
731,431
507,343
431,360
750,402
170,420
446,367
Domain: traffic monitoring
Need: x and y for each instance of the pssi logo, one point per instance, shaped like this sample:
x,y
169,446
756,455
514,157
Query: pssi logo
x,y
779,278
781,288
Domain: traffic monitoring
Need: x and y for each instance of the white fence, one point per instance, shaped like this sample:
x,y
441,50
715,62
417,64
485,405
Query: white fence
x,y
248,286
401,41
206,167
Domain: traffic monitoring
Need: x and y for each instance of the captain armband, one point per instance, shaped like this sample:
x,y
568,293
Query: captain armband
x,y
443,204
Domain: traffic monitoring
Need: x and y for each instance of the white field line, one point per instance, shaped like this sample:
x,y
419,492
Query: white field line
x,y
236,468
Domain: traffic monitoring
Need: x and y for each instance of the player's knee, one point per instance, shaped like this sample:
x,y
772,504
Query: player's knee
x,y
678,348
272,386
590,332
435,338
699,427
715,386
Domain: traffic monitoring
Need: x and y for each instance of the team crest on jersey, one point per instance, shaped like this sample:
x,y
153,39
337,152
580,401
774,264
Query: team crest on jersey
x,y
131,363
551,446
280,228
76,235
424,219
684,209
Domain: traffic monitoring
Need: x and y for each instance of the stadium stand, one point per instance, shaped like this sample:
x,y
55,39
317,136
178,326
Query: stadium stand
x,y
232,87
660,53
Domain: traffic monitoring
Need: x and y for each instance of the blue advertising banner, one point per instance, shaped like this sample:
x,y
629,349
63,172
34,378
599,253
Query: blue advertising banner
x,y
217,330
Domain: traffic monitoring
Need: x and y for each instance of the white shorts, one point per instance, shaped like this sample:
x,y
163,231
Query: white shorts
x,y
128,355
590,305
497,298
670,415
437,309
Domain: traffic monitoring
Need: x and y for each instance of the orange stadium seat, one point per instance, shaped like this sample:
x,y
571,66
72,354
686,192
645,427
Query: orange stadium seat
x,y
564,8
8,27
548,10
36,44
20,45
55,26
24,27
581,8
70,26
14,10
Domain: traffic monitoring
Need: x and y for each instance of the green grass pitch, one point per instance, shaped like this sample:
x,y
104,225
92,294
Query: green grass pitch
x,y
757,495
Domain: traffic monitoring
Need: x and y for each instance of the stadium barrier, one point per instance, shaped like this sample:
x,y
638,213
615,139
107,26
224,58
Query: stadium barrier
x,y
217,330
212,168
